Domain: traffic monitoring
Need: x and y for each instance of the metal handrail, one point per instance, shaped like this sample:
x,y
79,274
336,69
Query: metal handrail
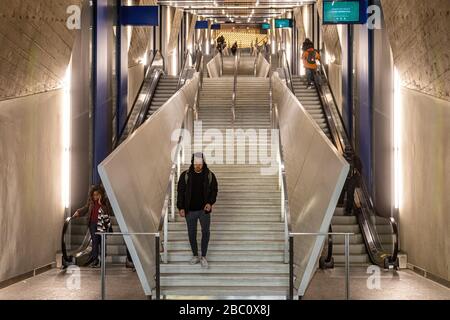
x,y
256,63
170,193
233,97
221,63
285,211
324,234
175,172
104,236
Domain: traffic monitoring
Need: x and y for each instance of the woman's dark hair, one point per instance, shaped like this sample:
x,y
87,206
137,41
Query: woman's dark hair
x,y
97,188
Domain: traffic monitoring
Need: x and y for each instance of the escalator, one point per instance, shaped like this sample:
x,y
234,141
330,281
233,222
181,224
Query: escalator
x,y
380,234
376,237
155,90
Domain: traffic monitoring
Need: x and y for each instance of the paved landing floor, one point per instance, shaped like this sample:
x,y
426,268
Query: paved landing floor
x,y
84,283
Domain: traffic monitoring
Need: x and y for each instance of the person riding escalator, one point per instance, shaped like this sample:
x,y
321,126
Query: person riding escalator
x,y
99,220
310,57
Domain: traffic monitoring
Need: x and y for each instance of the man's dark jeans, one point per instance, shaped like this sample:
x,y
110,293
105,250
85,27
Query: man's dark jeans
x,y
205,220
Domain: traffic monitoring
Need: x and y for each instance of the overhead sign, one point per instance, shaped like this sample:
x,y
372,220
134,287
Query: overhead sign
x,y
345,12
203,24
265,26
139,15
215,26
283,23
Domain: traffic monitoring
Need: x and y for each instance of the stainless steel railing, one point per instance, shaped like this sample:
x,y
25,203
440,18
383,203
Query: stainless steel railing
x,y
234,95
324,234
104,237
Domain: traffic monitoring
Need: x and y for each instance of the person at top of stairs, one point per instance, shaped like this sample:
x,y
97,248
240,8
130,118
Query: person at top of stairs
x,y
197,192
310,57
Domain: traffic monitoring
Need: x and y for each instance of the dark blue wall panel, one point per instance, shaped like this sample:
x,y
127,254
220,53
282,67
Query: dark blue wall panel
x,y
139,15
363,77
101,90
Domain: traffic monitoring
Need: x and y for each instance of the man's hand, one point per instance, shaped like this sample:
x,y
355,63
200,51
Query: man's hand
x,y
207,207
182,213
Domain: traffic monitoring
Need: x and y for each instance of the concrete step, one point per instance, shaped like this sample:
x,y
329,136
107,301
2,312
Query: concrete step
x,y
235,235
223,216
235,245
230,256
225,202
219,280
225,292
225,268
230,226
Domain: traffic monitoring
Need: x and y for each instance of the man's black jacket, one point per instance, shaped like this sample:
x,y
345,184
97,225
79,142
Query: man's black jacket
x,y
184,189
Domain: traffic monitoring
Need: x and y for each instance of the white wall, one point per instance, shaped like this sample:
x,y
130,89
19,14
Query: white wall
x,y
31,208
425,203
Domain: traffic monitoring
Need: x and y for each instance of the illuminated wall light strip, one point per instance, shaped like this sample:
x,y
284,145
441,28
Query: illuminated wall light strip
x,y
397,140
66,137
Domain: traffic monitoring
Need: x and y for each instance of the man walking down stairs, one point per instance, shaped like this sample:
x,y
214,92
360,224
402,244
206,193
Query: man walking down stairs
x,y
197,192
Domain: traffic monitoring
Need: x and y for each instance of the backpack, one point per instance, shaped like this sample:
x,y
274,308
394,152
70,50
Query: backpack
x,y
186,176
311,58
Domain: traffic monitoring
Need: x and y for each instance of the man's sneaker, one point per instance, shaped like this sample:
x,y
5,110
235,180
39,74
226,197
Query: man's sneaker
x,y
194,260
204,262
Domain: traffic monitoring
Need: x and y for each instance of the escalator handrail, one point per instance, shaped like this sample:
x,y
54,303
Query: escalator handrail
x,y
148,99
63,240
287,71
146,76
328,116
375,249
324,73
183,70
84,245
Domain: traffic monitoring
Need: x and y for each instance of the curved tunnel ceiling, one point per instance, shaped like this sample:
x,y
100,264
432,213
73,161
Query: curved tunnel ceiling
x,y
239,11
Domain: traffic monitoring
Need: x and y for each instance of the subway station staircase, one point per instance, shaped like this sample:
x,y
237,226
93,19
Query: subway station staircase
x,y
246,249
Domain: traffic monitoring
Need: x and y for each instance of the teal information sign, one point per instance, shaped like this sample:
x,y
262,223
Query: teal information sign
x,y
341,12
283,23
265,26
